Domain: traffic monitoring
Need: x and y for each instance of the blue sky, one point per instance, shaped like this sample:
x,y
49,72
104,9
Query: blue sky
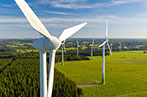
x,y
127,18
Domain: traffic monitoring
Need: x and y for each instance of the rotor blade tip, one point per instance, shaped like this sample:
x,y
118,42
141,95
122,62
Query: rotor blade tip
x,y
85,23
70,31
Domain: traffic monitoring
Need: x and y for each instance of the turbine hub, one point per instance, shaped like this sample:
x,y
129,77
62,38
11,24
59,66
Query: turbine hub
x,y
43,44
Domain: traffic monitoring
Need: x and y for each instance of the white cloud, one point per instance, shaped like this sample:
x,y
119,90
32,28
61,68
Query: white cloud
x,y
77,6
12,20
70,1
8,5
60,13
83,4
45,2
7,11
144,15
65,22
14,24
118,2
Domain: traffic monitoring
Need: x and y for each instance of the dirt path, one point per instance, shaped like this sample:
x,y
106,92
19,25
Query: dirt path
x,y
130,94
87,85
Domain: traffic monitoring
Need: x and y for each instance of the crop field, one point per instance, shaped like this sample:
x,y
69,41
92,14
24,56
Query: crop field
x,y
126,74
26,50
67,49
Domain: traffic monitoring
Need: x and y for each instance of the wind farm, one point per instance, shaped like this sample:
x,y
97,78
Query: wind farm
x,y
75,48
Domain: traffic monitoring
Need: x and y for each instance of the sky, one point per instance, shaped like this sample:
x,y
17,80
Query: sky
x,y
127,18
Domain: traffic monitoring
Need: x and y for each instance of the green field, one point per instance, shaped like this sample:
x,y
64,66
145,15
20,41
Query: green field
x,y
26,50
126,74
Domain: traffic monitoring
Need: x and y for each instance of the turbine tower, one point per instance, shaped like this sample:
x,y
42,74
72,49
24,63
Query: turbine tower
x,y
92,48
103,44
77,47
47,43
63,49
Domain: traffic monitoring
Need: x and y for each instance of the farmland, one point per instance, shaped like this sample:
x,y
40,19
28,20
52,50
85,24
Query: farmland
x,y
125,74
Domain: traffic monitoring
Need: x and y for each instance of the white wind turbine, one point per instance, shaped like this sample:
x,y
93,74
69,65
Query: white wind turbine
x,y
77,47
103,44
120,46
111,45
48,43
92,48
63,49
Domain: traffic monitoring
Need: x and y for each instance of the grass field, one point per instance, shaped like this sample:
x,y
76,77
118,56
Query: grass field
x,y
126,74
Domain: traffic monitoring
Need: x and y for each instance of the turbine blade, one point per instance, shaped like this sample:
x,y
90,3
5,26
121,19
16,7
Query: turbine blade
x,y
119,43
111,45
107,30
103,44
109,48
32,18
77,42
70,31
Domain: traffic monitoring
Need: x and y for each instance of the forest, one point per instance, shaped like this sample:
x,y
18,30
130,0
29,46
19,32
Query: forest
x,y
20,78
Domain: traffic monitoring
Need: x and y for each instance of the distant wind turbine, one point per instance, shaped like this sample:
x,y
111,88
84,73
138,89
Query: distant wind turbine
x,y
47,43
92,48
77,47
120,46
63,50
111,45
103,44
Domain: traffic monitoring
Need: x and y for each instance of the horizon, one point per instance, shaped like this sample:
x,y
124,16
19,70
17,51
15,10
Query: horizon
x,y
76,38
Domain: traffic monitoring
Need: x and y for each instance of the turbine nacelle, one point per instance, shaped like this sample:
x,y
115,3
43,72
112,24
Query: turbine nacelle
x,y
45,45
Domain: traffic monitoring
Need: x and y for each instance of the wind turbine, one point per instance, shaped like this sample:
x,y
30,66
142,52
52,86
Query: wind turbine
x,y
47,43
111,45
119,46
63,49
77,47
103,44
92,48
